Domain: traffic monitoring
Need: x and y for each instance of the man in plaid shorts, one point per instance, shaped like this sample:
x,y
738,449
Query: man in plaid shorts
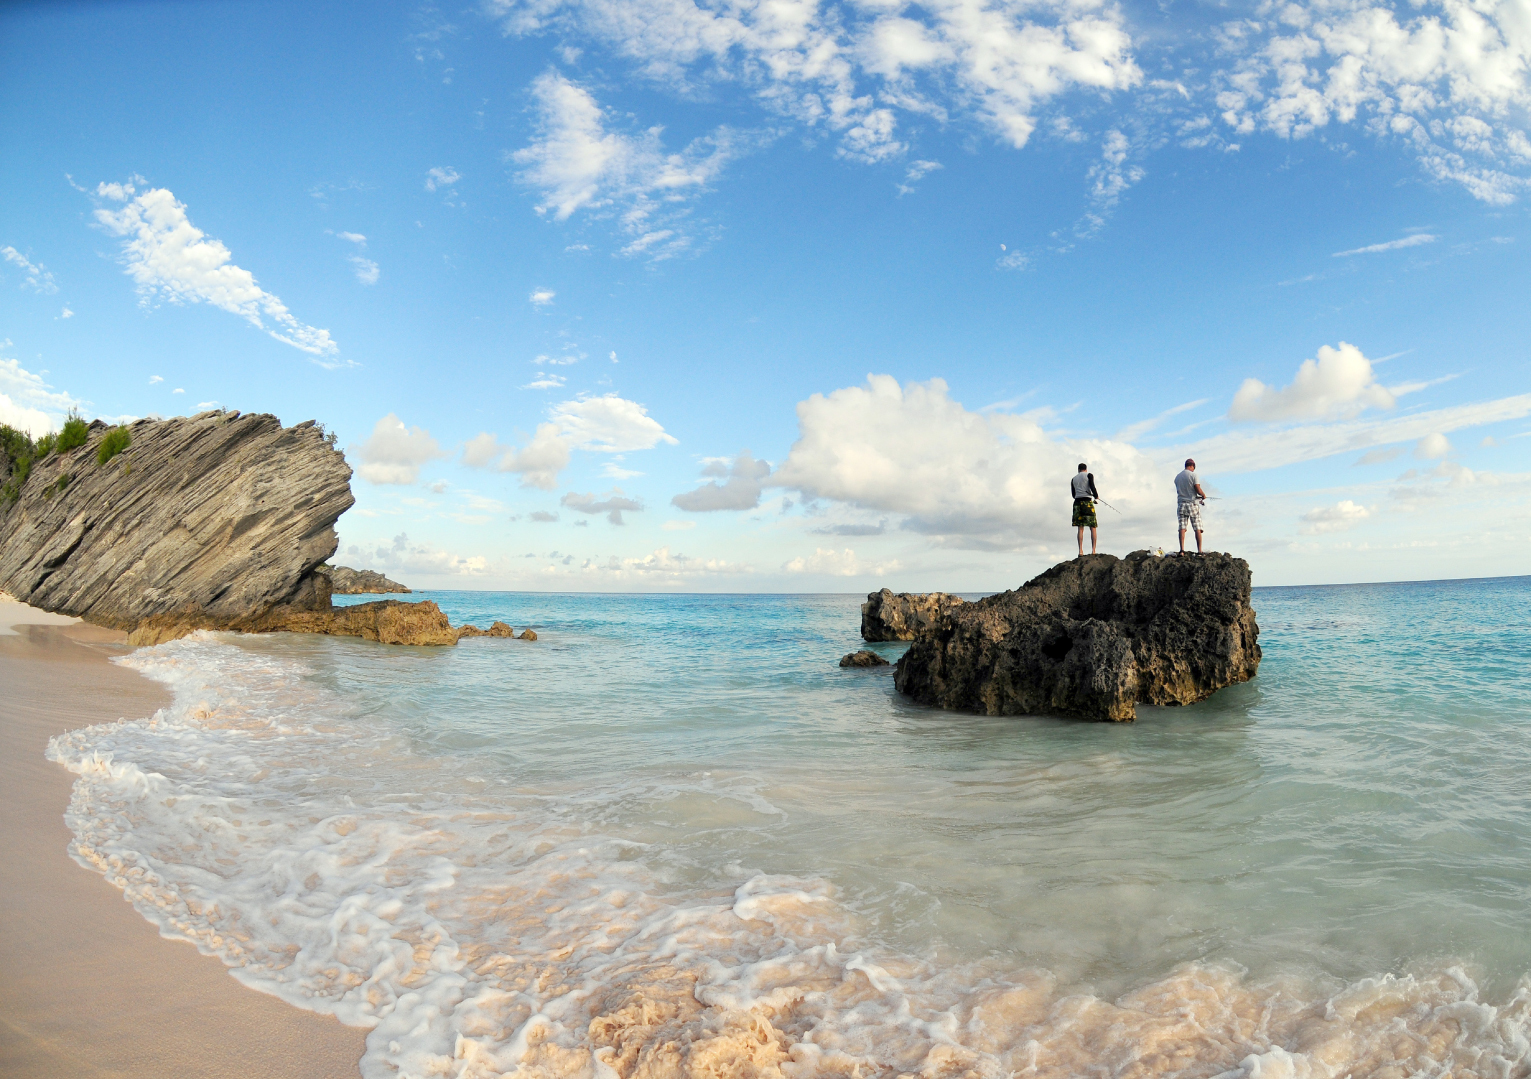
x,y
1189,498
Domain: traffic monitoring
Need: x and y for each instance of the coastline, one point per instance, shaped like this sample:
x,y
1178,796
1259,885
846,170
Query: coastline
x,y
90,987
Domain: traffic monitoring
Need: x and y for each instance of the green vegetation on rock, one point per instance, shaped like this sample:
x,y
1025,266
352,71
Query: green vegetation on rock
x,y
75,433
18,453
113,443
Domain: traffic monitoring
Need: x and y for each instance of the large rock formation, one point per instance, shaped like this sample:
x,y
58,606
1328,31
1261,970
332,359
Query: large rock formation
x,y
218,519
887,616
347,582
1091,638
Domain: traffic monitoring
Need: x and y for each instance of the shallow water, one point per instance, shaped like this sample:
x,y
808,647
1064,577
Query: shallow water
x,y
673,836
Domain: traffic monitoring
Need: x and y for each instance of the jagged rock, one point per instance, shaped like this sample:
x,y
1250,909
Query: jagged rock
x,y
347,582
528,635
496,629
216,521
1091,638
864,658
887,616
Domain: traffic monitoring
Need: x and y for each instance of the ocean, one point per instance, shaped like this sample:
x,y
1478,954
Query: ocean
x,y
674,837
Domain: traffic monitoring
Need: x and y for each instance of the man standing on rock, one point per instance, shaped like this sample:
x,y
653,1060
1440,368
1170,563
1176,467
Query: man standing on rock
x,y
1083,487
1189,499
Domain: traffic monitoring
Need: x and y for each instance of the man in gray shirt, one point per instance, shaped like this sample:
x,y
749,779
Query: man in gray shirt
x,y
1189,498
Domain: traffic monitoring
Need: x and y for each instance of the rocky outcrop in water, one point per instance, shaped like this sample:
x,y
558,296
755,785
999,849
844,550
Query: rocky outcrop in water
x,y
496,629
347,582
1092,638
864,658
215,521
889,616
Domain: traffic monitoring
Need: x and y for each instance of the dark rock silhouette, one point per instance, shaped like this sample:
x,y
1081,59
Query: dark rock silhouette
x,y
1091,638
889,616
864,658
347,582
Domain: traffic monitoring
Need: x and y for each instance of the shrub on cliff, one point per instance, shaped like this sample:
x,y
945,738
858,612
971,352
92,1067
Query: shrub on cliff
x,y
18,452
75,433
113,443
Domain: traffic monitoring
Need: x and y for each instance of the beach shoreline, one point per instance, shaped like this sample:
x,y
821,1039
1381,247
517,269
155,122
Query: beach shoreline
x,y
90,987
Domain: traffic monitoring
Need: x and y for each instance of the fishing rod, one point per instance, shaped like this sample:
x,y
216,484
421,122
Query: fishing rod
x,y
1104,503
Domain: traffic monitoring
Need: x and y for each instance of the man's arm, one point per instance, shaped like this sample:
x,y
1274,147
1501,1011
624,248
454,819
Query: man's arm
x,y
1200,494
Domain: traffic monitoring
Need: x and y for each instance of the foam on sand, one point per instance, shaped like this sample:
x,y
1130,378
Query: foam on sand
x,y
486,927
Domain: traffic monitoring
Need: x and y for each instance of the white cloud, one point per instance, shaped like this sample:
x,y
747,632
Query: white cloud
x,y
610,424
169,257
1133,432
579,164
204,406
545,381
354,237
853,68
402,557
834,563
1012,260
1432,447
661,564
1339,384
554,361
66,313
178,390
542,297
28,403
538,463
1337,518
1392,245
395,453
438,179
1379,456
367,271
740,489
612,506
977,479
1109,178
156,379
541,515
915,173
678,526
35,276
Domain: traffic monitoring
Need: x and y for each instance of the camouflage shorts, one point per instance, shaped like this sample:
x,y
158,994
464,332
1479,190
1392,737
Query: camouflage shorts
x,y
1189,514
1084,513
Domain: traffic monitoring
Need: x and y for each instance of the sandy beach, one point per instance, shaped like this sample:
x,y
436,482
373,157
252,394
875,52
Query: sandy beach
x,y
89,987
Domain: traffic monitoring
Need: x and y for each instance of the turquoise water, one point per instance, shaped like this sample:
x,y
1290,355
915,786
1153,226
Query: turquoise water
x,y
681,801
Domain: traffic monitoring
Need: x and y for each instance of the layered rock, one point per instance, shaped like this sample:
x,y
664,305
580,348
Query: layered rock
x,y
889,616
347,582
217,521
1091,638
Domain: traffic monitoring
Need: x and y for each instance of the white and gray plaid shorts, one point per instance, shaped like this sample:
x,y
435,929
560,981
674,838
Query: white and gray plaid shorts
x,y
1189,514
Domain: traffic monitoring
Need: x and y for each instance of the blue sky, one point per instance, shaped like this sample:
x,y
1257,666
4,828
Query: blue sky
x,y
734,297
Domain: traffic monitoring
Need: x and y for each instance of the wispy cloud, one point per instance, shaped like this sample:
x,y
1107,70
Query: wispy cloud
x,y
1392,245
35,276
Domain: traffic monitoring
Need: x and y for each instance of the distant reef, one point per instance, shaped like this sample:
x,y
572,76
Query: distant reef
x,y
348,582
212,522
1090,638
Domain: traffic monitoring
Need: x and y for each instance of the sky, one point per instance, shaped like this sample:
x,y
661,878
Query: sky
x,y
737,296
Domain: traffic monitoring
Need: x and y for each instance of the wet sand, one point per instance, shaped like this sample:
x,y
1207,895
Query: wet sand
x,y
87,987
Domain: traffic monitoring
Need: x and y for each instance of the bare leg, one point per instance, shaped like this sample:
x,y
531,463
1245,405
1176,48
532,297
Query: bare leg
x,y
1081,539
1182,538
1094,533
1198,541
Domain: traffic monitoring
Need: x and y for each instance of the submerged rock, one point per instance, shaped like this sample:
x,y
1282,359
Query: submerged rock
x,y
1091,638
496,629
864,658
528,635
347,582
889,616
215,521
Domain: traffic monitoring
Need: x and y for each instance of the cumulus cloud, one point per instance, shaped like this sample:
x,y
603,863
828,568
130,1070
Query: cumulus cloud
x,y
1337,518
834,563
1338,385
1432,447
612,506
610,424
1391,245
579,164
994,480
854,69
438,179
403,557
545,381
542,297
169,257
541,515
35,276
538,462
28,403
367,271
740,489
395,453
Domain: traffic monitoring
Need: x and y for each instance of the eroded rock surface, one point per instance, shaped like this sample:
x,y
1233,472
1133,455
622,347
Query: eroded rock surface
x,y
496,629
864,658
890,616
347,582
1091,638
216,521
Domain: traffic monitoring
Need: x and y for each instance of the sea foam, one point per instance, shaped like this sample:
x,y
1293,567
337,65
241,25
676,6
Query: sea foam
x,y
483,927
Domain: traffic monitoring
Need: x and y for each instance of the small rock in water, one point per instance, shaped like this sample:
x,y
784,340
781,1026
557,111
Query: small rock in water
x,y
499,629
469,630
864,658
526,635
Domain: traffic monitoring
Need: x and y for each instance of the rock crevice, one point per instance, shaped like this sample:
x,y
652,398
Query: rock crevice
x,y
1092,638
